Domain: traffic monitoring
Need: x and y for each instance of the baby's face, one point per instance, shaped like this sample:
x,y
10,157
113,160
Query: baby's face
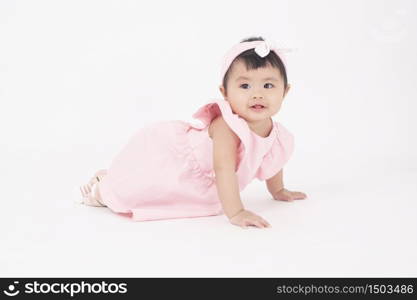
x,y
245,88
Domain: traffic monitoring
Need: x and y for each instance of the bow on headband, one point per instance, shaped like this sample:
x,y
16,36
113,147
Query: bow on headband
x,y
263,49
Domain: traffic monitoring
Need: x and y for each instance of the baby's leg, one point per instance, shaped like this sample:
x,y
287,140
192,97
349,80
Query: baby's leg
x,y
91,192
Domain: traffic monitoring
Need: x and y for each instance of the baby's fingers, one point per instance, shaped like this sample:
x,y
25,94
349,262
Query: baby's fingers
x,y
259,223
247,223
299,196
266,223
283,197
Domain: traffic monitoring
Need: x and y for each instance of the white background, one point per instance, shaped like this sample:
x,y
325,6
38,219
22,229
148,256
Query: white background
x,y
77,78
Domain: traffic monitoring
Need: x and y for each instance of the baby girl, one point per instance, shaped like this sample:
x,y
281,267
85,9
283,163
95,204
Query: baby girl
x,y
174,169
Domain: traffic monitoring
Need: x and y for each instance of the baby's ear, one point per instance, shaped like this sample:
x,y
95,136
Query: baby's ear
x,y
221,88
287,89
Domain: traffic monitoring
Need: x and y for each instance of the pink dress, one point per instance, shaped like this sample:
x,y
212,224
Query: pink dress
x,y
166,169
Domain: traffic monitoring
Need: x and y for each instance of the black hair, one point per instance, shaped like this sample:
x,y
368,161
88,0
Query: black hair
x,y
254,61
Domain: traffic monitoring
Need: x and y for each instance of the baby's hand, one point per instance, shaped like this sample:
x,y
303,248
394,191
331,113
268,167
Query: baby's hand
x,y
247,218
286,195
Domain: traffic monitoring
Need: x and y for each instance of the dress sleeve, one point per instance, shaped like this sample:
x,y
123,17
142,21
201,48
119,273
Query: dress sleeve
x,y
278,155
206,114
221,107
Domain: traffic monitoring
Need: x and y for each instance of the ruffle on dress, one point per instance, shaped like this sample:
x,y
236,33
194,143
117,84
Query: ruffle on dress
x,y
185,152
211,110
279,154
263,157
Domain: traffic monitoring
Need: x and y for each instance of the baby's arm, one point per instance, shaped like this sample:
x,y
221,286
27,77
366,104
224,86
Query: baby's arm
x,y
275,186
275,183
225,145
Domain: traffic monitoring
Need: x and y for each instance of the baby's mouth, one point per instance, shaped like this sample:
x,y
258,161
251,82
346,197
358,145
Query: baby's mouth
x,y
258,106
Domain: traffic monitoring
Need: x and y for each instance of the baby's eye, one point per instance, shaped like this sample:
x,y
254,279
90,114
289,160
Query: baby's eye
x,y
244,85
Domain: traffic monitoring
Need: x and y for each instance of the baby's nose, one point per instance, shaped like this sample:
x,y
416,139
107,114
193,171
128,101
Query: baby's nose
x,y
257,96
